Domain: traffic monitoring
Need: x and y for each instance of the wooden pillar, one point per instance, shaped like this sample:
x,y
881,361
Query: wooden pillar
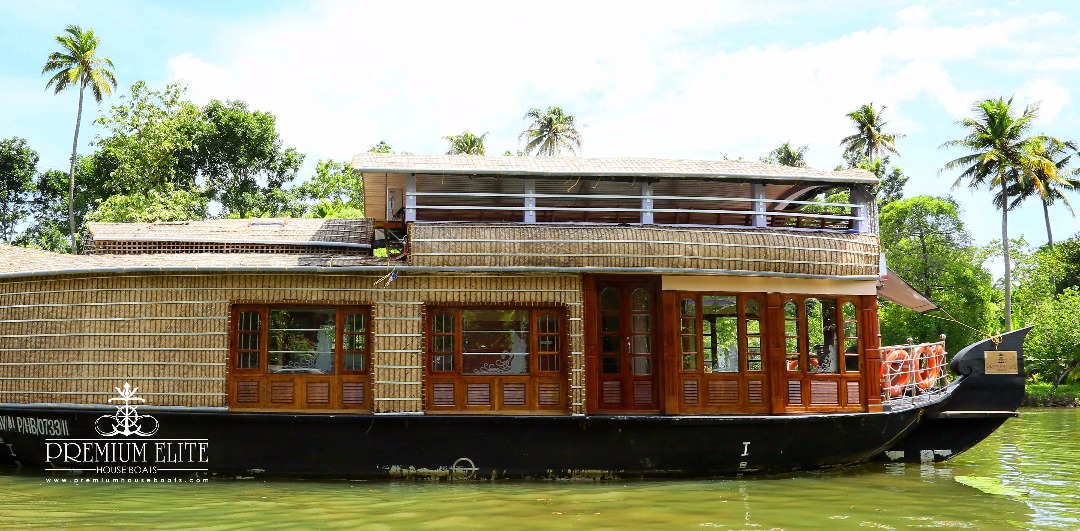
x,y
775,352
592,362
871,339
670,352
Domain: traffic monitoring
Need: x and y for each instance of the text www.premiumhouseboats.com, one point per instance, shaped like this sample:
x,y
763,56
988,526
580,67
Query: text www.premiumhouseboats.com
x,y
110,481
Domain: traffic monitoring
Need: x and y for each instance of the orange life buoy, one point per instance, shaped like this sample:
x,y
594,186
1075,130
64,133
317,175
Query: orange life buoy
x,y
933,367
896,372
793,365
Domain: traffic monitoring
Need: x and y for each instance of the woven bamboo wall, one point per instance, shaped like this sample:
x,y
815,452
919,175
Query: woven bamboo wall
x,y
825,254
73,339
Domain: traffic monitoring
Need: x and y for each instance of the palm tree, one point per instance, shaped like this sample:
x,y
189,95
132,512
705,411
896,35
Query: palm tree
x,y
1001,154
870,138
550,132
466,144
77,63
785,155
1050,186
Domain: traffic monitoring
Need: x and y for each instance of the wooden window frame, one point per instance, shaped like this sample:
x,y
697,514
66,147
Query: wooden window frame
x,y
257,389
850,393
544,391
697,386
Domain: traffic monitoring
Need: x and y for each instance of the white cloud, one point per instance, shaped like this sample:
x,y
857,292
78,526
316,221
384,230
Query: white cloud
x,y
642,81
1051,96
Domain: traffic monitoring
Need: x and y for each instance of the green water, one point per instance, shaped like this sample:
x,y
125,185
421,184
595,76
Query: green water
x,y
1026,476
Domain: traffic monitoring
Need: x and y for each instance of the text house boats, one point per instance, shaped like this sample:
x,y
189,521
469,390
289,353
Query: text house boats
x,y
544,318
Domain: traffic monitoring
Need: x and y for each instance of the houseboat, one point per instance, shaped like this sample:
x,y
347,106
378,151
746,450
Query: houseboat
x,y
494,317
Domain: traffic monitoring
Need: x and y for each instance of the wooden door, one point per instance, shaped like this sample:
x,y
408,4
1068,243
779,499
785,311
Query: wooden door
x,y
626,321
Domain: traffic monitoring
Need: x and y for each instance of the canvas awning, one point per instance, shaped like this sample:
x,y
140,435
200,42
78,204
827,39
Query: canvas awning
x,y
896,289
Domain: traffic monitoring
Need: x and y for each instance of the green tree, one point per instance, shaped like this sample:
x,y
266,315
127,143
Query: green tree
x,y
1054,345
77,64
1000,151
925,243
381,147
550,132
1050,187
157,140
48,203
336,190
785,155
466,144
168,204
236,150
891,187
18,165
149,141
870,138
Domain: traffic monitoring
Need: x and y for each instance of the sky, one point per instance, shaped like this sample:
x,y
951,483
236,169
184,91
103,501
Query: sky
x,y
687,79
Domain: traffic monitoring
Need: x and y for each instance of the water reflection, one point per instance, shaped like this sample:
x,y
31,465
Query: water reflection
x,y
1034,461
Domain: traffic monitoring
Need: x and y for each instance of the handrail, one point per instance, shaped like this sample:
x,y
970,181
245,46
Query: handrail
x,y
913,370
632,197
631,209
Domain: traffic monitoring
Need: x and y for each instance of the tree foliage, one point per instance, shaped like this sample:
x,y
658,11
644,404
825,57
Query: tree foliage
x,y
1001,152
550,132
335,191
925,243
466,144
785,155
870,138
223,151
18,166
77,64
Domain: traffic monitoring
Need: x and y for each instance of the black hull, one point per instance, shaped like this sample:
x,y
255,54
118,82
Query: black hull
x,y
978,404
389,446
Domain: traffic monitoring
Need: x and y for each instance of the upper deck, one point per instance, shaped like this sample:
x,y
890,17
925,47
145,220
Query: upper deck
x,y
632,191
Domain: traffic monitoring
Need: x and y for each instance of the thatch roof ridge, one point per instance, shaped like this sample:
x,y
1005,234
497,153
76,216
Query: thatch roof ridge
x,y
263,230
597,167
22,260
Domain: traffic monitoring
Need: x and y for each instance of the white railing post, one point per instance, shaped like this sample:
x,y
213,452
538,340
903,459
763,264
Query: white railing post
x,y
646,203
410,197
757,193
530,200
860,211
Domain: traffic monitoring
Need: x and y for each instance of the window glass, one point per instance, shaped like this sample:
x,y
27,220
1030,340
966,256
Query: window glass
x,y
640,300
688,334
301,341
495,341
851,338
547,329
249,332
822,337
354,342
752,313
721,344
791,335
609,299
442,342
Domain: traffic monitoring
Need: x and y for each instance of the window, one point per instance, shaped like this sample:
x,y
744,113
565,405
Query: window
x,y
721,360
822,352
300,357
814,330
728,331
495,358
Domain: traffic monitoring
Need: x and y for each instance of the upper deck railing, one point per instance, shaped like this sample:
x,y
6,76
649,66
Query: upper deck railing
x,y
641,205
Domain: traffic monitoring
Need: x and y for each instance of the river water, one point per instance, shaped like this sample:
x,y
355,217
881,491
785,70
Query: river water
x,y
1026,476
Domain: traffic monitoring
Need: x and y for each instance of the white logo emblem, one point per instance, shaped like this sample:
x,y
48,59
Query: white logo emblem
x,y
127,421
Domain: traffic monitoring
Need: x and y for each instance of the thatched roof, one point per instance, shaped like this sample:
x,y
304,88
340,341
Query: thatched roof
x,y
300,235
15,260
673,248
600,167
